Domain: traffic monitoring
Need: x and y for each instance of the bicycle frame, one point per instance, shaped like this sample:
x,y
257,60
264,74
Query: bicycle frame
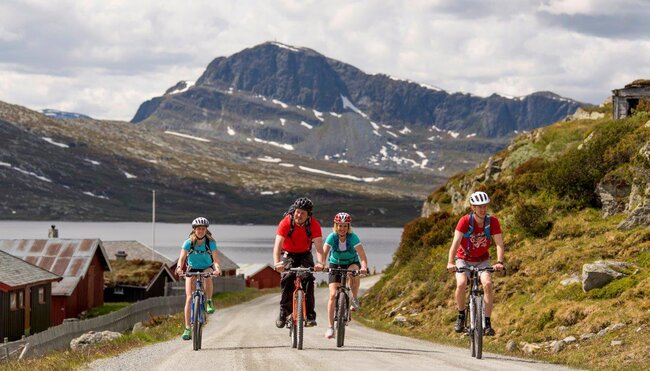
x,y
197,308
299,308
342,303
474,306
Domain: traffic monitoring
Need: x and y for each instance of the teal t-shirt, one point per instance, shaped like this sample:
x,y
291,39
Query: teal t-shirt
x,y
200,258
343,253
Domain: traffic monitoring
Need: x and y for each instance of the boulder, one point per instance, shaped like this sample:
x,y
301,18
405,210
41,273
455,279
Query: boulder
x,y
558,346
429,208
90,338
613,194
570,281
600,273
640,216
569,339
511,346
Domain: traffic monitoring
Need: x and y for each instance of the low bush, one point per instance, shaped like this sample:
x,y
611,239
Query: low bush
x,y
532,219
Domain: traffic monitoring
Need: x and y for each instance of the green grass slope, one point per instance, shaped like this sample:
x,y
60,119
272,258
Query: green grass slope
x,y
544,193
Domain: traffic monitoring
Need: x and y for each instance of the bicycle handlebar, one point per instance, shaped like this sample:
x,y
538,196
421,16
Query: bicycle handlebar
x,y
474,269
202,274
354,273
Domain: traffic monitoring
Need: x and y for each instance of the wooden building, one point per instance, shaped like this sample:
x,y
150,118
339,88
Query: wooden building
x,y
134,280
260,276
81,263
25,297
626,100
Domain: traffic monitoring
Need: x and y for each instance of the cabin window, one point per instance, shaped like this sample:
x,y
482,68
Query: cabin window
x,y
13,301
41,295
118,291
21,299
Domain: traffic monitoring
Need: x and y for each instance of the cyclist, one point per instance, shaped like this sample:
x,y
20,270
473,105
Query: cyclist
x,y
296,233
346,253
470,247
199,251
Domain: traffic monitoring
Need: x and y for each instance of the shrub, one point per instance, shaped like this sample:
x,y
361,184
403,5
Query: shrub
x,y
532,219
422,234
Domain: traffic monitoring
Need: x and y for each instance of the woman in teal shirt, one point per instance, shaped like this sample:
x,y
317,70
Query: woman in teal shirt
x,y
345,251
199,251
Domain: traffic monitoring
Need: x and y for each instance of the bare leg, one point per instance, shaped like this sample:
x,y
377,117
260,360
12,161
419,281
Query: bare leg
x,y
208,288
331,303
461,284
486,281
189,283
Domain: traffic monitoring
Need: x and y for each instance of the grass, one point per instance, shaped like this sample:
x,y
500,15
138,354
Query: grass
x,y
105,309
161,328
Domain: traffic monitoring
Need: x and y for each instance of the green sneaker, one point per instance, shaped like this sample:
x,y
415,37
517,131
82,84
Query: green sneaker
x,y
210,307
187,334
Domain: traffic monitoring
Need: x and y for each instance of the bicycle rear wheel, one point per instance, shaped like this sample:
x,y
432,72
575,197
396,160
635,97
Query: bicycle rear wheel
x,y
293,332
300,317
196,323
341,319
478,327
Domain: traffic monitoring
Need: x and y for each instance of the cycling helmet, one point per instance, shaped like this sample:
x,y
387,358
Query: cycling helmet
x,y
200,221
303,203
479,198
342,217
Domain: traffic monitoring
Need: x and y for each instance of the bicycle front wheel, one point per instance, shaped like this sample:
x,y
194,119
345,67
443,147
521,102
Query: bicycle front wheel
x,y
341,318
472,315
300,317
196,320
478,327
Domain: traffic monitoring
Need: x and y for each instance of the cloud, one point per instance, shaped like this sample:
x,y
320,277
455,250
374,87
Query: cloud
x,y
104,59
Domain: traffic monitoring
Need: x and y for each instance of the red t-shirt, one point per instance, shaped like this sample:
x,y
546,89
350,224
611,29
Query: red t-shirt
x,y
298,242
479,245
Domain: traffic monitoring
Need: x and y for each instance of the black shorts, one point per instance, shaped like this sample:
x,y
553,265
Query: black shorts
x,y
335,277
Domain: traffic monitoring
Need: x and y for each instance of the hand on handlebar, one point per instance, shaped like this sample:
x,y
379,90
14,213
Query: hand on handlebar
x,y
499,267
279,266
451,267
318,267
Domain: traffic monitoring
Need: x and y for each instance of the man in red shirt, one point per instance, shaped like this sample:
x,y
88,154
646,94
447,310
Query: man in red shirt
x,y
296,233
474,250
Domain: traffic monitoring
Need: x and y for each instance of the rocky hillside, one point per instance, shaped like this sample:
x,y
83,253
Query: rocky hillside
x,y
574,202
84,169
325,109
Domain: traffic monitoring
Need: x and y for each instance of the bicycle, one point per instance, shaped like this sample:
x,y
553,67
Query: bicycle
x,y
197,311
296,321
342,310
474,307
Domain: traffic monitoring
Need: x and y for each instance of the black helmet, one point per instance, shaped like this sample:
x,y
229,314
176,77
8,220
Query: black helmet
x,y
303,203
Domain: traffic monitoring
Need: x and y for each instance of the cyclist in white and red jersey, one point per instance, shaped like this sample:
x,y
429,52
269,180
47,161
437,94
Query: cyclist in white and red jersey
x,y
471,247
296,233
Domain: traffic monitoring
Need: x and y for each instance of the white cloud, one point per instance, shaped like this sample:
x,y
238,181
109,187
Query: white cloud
x,y
104,59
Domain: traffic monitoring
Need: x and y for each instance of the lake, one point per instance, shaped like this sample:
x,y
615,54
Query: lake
x,y
241,243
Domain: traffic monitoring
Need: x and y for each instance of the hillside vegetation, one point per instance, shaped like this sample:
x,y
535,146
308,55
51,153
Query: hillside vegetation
x,y
567,195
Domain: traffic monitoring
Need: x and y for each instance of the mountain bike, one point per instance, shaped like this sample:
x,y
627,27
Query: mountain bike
x,y
475,309
197,312
342,310
296,321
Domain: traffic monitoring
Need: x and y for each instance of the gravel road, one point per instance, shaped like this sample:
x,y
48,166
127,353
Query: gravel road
x,y
244,337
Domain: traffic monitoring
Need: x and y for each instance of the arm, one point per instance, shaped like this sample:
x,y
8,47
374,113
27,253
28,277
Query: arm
x,y
451,265
277,249
181,259
320,257
362,256
498,240
326,251
216,262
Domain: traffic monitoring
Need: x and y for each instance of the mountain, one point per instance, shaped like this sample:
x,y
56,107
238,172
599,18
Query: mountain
x,y
56,114
85,169
573,199
327,109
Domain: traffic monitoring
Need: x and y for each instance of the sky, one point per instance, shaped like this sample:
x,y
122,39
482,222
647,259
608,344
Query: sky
x,y
105,58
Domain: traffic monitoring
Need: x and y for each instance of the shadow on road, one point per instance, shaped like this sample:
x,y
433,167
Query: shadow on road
x,y
356,348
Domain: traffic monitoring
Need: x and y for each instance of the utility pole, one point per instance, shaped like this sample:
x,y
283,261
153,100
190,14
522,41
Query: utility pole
x,y
153,226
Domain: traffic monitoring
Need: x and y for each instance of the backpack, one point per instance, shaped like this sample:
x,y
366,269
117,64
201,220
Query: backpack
x,y
486,230
350,253
208,251
291,227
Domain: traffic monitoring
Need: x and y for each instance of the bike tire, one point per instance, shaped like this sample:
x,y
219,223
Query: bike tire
x,y
300,317
341,319
478,328
472,338
196,323
293,333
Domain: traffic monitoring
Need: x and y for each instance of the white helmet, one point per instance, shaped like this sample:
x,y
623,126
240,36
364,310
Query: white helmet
x,y
200,221
479,198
